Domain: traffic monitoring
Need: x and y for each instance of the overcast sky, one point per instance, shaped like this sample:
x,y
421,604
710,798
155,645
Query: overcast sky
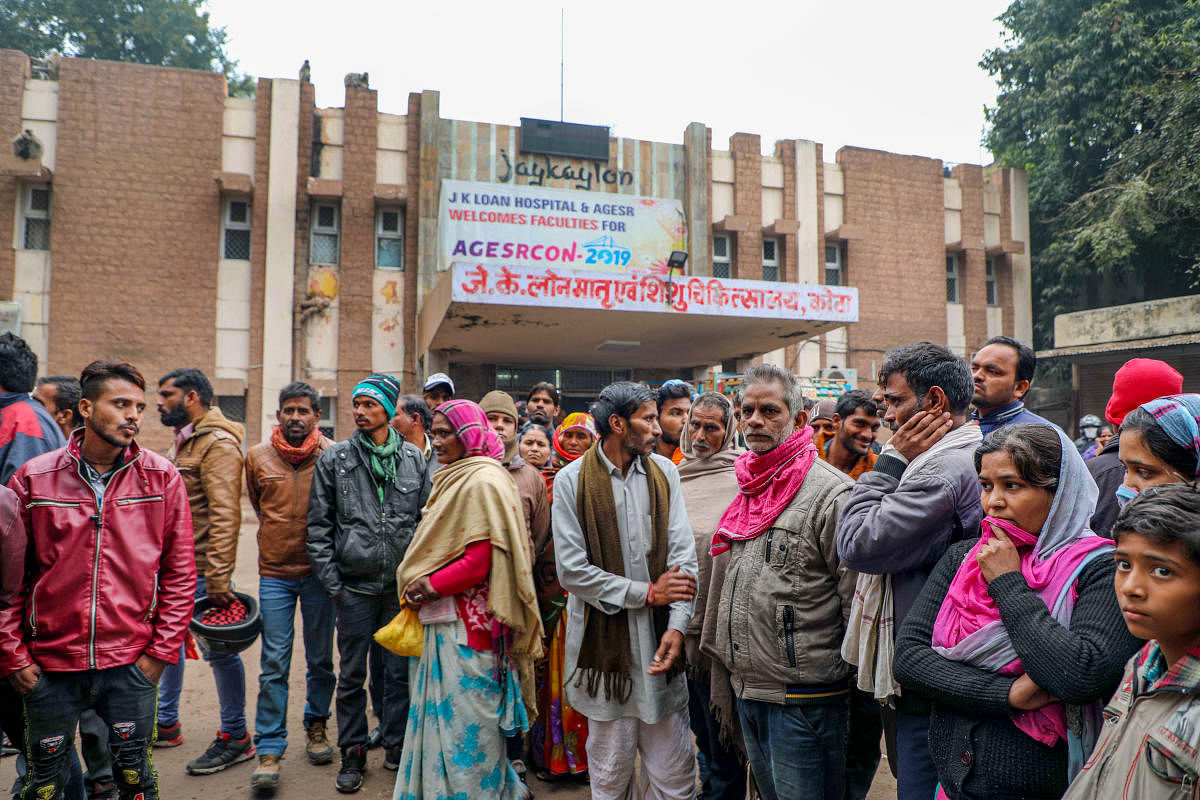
x,y
895,76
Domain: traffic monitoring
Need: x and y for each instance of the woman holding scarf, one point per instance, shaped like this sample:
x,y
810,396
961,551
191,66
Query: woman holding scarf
x,y
469,572
558,738
1017,638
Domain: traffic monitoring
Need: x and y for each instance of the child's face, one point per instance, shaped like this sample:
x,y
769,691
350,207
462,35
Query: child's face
x,y
1158,589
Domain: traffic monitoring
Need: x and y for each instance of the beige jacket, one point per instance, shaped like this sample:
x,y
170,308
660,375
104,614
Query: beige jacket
x,y
210,461
784,599
1149,747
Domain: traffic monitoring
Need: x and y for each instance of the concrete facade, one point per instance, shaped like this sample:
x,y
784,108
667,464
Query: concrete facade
x,y
143,165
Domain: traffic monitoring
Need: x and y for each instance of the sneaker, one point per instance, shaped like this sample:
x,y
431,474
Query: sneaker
x,y
224,752
354,767
266,778
374,738
7,749
102,790
391,760
318,748
169,735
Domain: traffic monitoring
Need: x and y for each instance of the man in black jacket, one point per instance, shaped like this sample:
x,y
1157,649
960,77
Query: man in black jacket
x,y
366,498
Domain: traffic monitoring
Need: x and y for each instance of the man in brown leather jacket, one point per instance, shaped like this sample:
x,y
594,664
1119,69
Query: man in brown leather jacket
x,y
279,474
208,454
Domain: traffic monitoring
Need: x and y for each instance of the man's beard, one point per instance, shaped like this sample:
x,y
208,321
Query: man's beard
x,y
107,436
540,417
175,418
295,436
664,436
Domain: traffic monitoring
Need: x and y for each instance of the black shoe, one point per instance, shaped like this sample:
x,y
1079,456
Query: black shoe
x,y
391,760
374,738
223,753
354,767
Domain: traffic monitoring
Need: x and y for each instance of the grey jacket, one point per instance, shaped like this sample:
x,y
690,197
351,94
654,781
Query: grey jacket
x,y
786,596
903,533
353,542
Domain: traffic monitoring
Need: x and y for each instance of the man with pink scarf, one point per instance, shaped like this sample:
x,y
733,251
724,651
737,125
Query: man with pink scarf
x,y
784,597
1017,637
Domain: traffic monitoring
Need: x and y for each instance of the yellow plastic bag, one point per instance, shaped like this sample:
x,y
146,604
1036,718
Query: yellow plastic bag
x,y
404,635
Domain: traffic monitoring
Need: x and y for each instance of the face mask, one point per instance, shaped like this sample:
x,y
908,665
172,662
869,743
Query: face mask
x,y
1125,494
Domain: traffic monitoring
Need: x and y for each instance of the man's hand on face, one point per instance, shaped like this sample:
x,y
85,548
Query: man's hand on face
x,y
222,599
669,648
922,431
674,585
23,680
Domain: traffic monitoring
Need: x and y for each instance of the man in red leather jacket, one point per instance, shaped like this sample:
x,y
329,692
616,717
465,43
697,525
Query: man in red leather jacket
x,y
106,595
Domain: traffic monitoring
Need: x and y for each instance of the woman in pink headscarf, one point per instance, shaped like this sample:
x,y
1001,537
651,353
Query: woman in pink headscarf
x,y
468,570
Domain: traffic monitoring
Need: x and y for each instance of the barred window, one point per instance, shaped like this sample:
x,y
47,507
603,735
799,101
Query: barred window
x,y
833,265
36,223
236,230
952,279
991,283
389,238
770,265
326,233
722,267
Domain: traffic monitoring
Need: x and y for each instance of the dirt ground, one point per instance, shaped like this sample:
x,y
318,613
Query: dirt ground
x,y
299,779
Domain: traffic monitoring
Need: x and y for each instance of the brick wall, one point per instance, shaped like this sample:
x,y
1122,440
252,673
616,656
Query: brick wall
x,y
258,256
972,266
895,205
747,202
357,269
136,230
14,68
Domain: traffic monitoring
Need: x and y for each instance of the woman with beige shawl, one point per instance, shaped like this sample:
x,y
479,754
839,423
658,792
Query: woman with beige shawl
x,y
706,478
468,570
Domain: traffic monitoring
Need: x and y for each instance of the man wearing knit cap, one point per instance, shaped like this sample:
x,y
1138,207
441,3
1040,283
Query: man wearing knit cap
x,y
366,499
502,415
1138,381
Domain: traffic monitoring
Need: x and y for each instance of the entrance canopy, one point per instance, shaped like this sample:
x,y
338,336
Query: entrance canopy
x,y
488,314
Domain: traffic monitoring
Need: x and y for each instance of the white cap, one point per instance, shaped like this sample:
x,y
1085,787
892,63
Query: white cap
x,y
437,378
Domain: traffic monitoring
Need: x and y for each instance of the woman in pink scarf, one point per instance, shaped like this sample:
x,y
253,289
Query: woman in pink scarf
x,y
1017,636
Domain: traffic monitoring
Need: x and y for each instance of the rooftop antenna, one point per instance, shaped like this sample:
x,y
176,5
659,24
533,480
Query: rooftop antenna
x,y
562,58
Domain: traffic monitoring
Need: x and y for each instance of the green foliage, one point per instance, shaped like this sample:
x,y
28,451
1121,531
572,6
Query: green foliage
x,y
1100,102
168,33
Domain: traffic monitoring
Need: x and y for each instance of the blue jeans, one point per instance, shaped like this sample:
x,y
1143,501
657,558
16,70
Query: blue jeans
x,y
796,752
916,776
278,597
229,675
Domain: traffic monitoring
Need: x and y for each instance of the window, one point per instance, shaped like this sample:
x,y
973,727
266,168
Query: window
x,y
833,265
36,213
722,267
236,234
328,423
326,230
389,238
770,269
991,283
952,278
233,406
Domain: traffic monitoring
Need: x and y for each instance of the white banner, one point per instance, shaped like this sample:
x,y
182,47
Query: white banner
x,y
571,288
537,226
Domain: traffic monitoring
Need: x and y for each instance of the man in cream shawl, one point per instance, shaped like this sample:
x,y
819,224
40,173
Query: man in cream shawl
x,y
709,446
921,496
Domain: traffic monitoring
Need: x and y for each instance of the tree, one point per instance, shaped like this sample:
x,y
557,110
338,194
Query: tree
x,y
1099,103
167,33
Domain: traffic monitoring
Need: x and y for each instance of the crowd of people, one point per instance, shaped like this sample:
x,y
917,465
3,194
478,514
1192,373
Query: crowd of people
x,y
673,595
